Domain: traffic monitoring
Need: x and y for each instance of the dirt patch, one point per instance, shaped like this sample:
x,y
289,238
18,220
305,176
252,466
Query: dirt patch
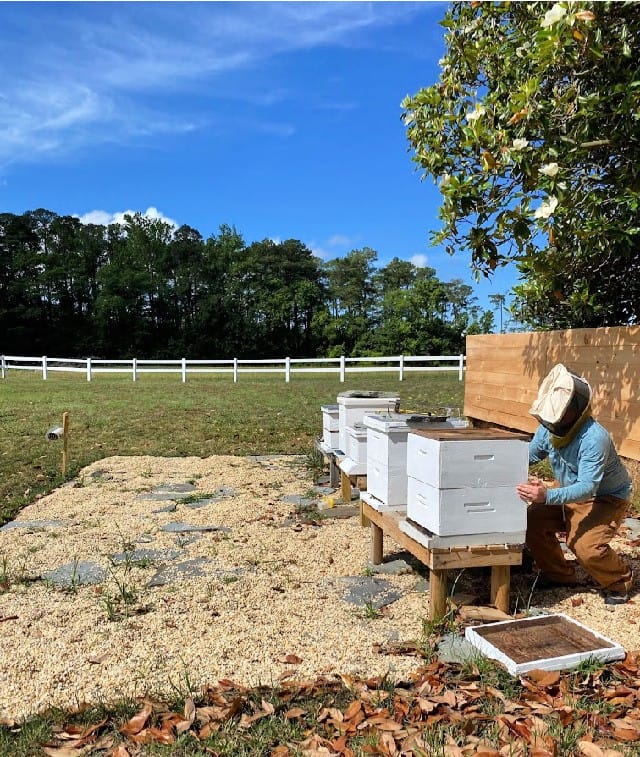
x,y
252,590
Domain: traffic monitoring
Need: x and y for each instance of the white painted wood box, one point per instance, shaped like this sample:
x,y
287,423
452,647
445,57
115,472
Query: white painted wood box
x,y
462,481
387,453
354,405
545,642
470,457
356,451
330,427
448,512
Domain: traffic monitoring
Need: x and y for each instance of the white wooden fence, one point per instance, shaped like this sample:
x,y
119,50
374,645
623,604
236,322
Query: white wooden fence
x,y
399,364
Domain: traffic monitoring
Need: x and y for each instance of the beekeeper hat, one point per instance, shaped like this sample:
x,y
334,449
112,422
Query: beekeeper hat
x,y
556,393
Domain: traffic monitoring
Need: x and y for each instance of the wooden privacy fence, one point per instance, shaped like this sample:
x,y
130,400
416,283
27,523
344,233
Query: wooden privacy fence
x,y
287,366
504,372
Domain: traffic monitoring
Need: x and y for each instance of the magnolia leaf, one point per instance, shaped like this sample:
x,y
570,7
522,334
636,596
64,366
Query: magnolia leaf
x,y
137,722
589,749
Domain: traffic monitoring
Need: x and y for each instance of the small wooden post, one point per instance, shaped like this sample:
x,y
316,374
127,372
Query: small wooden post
x,y
65,436
376,544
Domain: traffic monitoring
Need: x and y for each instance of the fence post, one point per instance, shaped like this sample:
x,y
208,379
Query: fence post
x,y
287,369
460,367
44,367
235,370
134,368
342,368
401,376
184,369
4,367
88,369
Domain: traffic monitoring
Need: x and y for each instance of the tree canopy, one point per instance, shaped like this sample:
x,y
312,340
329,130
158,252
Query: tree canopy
x,y
145,289
532,133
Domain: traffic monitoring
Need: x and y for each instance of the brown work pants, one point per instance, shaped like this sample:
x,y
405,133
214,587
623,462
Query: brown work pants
x,y
589,527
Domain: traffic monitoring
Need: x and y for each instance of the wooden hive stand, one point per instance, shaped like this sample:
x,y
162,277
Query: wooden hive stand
x,y
500,557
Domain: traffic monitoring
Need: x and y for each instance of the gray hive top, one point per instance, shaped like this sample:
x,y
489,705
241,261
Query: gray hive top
x,y
367,394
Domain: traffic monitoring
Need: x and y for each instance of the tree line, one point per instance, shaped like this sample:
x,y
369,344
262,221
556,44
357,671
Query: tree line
x,y
146,289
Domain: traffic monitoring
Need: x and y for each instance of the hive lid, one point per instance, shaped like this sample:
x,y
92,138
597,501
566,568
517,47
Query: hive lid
x,y
368,394
545,642
470,434
403,421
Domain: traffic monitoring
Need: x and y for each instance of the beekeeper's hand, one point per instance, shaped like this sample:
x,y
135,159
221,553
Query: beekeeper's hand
x,y
533,491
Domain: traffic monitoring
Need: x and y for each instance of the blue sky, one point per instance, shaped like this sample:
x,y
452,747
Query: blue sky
x,y
282,119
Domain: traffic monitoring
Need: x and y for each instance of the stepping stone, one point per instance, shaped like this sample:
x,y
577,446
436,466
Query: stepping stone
x,y
159,497
219,494
75,574
366,591
145,555
324,489
179,572
299,500
33,525
176,488
397,567
422,587
168,509
454,648
185,528
103,475
168,492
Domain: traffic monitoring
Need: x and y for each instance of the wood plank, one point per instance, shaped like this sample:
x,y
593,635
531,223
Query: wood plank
x,y
476,557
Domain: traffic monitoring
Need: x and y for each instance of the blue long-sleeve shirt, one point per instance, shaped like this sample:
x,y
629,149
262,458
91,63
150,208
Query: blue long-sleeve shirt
x,y
588,466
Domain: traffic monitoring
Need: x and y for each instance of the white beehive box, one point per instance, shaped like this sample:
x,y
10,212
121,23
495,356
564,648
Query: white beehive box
x,y
471,457
449,512
353,406
463,481
330,427
355,462
387,453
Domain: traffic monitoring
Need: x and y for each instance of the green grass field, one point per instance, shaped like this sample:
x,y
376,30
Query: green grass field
x,y
160,415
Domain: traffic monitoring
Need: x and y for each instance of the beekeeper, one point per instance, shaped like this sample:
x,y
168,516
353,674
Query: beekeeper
x,y
593,492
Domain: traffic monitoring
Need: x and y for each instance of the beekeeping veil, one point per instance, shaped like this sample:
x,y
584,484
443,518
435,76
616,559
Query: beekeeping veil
x,y
562,401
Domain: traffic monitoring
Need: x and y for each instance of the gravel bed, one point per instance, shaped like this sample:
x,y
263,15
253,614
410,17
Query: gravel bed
x,y
264,601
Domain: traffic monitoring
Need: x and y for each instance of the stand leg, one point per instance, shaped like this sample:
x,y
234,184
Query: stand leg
x,y
334,471
500,579
438,594
376,544
345,488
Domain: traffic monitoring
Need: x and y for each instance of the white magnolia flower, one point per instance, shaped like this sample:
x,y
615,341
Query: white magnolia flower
x,y
445,180
547,208
478,112
553,15
519,143
550,169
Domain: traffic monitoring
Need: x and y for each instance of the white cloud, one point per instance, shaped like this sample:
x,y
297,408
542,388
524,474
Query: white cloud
x,y
85,74
102,217
419,261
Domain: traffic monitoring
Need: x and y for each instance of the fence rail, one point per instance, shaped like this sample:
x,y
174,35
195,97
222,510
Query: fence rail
x,y
399,364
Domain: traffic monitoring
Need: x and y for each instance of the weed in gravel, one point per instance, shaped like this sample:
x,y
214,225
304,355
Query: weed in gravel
x,y
369,611
4,573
